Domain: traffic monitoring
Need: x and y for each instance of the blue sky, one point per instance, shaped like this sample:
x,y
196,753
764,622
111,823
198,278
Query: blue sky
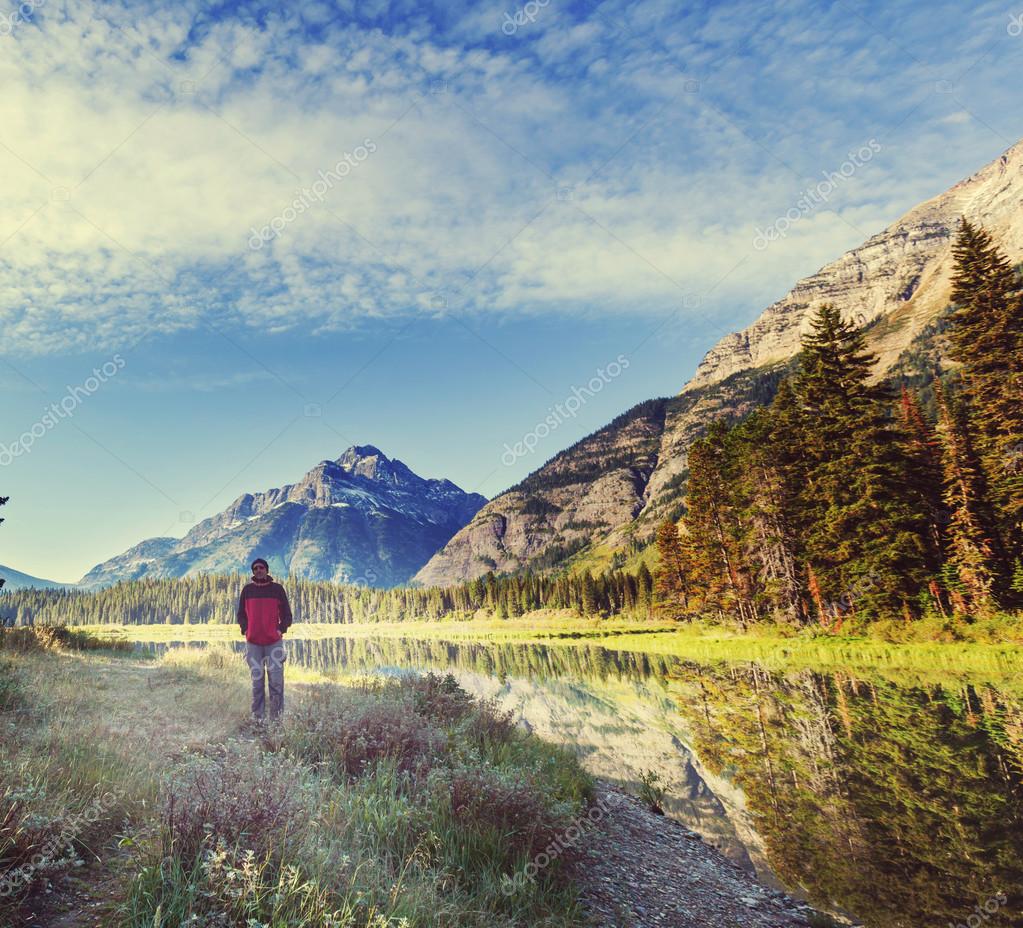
x,y
468,209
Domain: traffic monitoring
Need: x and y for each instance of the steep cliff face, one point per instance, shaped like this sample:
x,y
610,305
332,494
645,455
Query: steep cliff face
x,y
362,518
904,270
896,285
582,493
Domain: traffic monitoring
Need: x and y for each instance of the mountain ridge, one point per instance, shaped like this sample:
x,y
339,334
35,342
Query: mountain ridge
x,y
361,518
904,267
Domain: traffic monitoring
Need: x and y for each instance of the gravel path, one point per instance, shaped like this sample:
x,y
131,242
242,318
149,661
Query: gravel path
x,y
643,870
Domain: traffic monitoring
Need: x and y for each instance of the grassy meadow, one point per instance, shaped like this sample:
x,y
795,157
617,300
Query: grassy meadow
x,y
137,791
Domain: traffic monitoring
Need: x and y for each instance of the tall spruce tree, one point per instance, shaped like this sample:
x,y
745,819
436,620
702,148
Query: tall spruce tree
x,y
588,597
767,487
924,450
645,587
715,529
867,536
987,340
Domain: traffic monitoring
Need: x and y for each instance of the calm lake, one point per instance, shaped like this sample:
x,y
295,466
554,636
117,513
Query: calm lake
x,y
899,804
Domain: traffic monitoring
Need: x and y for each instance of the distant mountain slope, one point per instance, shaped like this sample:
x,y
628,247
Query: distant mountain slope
x,y
614,486
609,488
362,518
589,489
16,580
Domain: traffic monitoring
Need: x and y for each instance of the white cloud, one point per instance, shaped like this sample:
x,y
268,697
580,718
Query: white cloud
x,y
138,150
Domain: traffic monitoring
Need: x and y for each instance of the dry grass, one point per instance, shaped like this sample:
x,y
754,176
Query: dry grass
x,y
352,836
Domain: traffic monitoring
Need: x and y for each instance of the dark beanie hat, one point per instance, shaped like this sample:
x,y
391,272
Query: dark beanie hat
x,y
259,560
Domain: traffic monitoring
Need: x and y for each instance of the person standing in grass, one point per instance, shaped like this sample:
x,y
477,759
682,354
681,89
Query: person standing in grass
x,y
264,616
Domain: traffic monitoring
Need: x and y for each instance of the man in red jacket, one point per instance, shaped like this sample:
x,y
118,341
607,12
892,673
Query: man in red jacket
x,y
264,615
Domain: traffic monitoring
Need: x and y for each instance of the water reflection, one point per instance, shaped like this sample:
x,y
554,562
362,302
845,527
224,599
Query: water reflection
x,y
902,804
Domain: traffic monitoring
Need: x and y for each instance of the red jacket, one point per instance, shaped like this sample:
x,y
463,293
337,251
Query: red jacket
x,y
263,611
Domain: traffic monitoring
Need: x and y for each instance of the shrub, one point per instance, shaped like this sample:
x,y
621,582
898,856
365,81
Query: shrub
x,y
489,725
351,733
25,639
444,701
28,638
480,799
387,731
22,835
651,791
44,824
438,698
252,801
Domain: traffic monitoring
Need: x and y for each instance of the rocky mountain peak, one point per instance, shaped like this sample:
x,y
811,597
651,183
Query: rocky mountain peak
x,y
902,273
370,462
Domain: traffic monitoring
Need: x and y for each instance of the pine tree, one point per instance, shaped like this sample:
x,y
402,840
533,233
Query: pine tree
x,y
867,538
490,583
477,591
924,451
714,528
590,605
670,580
645,584
767,486
987,339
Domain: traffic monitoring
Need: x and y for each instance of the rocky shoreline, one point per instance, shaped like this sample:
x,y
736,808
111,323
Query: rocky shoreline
x,y
643,870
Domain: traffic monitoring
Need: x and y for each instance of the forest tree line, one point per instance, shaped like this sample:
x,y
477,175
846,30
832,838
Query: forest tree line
x,y
214,598
841,499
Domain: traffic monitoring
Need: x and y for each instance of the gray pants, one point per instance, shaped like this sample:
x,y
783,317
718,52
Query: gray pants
x,y
266,661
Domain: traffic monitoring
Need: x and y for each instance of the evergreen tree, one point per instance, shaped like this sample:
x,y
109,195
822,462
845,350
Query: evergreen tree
x,y
987,339
645,584
589,600
714,528
925,454
767,485
670,580
867,538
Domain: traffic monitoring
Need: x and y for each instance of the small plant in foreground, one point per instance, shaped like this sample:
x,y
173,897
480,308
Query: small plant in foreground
x,y
652,791
255,802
